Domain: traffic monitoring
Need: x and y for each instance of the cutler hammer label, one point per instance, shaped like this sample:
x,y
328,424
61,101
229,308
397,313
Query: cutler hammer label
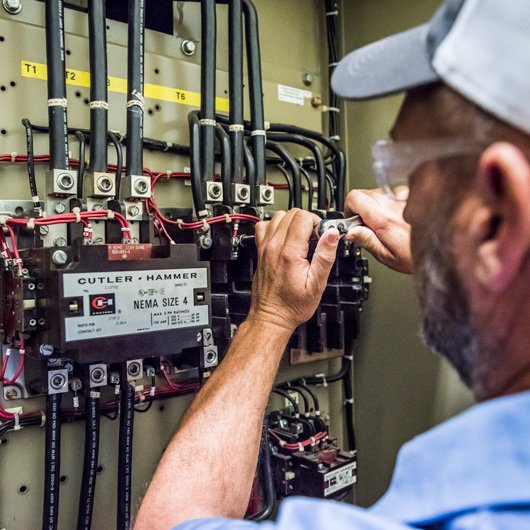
x,y
340,478
128,302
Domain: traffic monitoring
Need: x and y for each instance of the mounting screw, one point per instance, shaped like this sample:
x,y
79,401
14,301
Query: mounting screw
x,y
308,79
44,230
46,349
188,47
13,7
316,102
60,207
59,242
133,211
60,257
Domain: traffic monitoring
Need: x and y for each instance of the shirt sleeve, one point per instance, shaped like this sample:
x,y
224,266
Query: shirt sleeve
x,y
305,514
493,519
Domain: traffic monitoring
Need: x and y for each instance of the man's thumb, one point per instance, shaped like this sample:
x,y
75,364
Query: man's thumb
x,y
325,254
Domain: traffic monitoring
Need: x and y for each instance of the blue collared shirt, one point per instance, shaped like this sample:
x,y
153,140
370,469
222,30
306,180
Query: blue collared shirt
x,y
469,473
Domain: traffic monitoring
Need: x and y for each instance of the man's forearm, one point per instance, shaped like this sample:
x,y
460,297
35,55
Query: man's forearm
x,y
208,468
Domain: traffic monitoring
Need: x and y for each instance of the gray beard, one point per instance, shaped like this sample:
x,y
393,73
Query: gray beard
x,y
446,328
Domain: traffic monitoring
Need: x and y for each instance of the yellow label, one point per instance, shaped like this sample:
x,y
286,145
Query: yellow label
x,y
117,84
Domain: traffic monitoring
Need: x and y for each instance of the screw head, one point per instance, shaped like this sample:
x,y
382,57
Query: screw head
x,y
44,230
46,349
11,394
242,194
97,375
65,181
60,257
308,79
57,381
105,184
206,242
215,191
188,47
267,194
32,322
13,7
133,211
140,186
60,207
60,242
31,286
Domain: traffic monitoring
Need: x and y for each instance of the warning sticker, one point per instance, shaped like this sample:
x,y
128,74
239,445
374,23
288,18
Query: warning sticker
x,y
128,302
340,478
289,94
80,78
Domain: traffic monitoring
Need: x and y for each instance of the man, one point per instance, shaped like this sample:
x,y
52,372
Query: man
x,y
461,141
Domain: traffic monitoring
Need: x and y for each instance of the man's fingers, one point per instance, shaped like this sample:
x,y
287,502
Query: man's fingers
x,y
261,230
282,227
301,229
324,258
365,238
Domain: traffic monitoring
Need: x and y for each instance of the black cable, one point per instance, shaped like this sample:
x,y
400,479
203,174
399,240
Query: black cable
x,y
250,170
226,164
90,461
312,394
255,82
289,398
310,189
81,171
294,169
289,181
235,80
125,454
55,60
340,159
195,164
300,392
267,479
52,460
97,33
317,155
331,186
208,73
147,408
119,162
31,164
135,88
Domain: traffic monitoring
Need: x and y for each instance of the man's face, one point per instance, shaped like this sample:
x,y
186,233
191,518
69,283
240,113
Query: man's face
x,y
430,210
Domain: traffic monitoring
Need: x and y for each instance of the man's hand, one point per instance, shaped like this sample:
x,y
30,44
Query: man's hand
x,y
386,234
287,288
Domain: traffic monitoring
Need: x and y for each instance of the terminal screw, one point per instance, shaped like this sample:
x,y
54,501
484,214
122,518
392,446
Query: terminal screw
x,y
140,186
59,207
65,181
133,211
242,194
60,257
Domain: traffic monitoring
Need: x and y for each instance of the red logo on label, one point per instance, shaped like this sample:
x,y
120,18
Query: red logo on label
x,y
102,304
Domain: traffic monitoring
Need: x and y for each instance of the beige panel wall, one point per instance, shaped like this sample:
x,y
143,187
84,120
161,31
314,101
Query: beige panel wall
x,y
401,388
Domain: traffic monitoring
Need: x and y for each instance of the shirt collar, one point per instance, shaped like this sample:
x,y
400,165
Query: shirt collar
x,y
480,458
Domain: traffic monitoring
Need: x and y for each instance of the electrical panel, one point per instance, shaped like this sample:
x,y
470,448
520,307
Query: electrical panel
x,y
145,147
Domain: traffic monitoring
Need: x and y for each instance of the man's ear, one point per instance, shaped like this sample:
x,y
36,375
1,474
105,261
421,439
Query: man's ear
x,y
501,225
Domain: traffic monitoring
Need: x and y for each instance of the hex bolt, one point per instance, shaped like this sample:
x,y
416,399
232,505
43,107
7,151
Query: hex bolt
x,y
188,47
60,257
60,207
46,349
242,194
65,181
133,211
215,191
57,381
44,230
13,7
105,184
140,186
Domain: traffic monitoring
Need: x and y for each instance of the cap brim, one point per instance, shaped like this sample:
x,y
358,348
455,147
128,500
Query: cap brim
x,y
391,65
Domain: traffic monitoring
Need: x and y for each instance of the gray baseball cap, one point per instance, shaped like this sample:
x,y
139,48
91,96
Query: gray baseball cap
x,y
480,48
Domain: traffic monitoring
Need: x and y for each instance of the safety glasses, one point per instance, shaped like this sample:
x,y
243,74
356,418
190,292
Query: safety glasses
x,y
395,161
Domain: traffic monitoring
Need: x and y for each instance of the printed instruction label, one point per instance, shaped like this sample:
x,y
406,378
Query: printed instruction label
x,y
128,302
340,478
289,94
80,78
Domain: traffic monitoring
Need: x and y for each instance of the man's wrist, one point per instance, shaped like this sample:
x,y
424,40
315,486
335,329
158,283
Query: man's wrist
x,y
262,324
